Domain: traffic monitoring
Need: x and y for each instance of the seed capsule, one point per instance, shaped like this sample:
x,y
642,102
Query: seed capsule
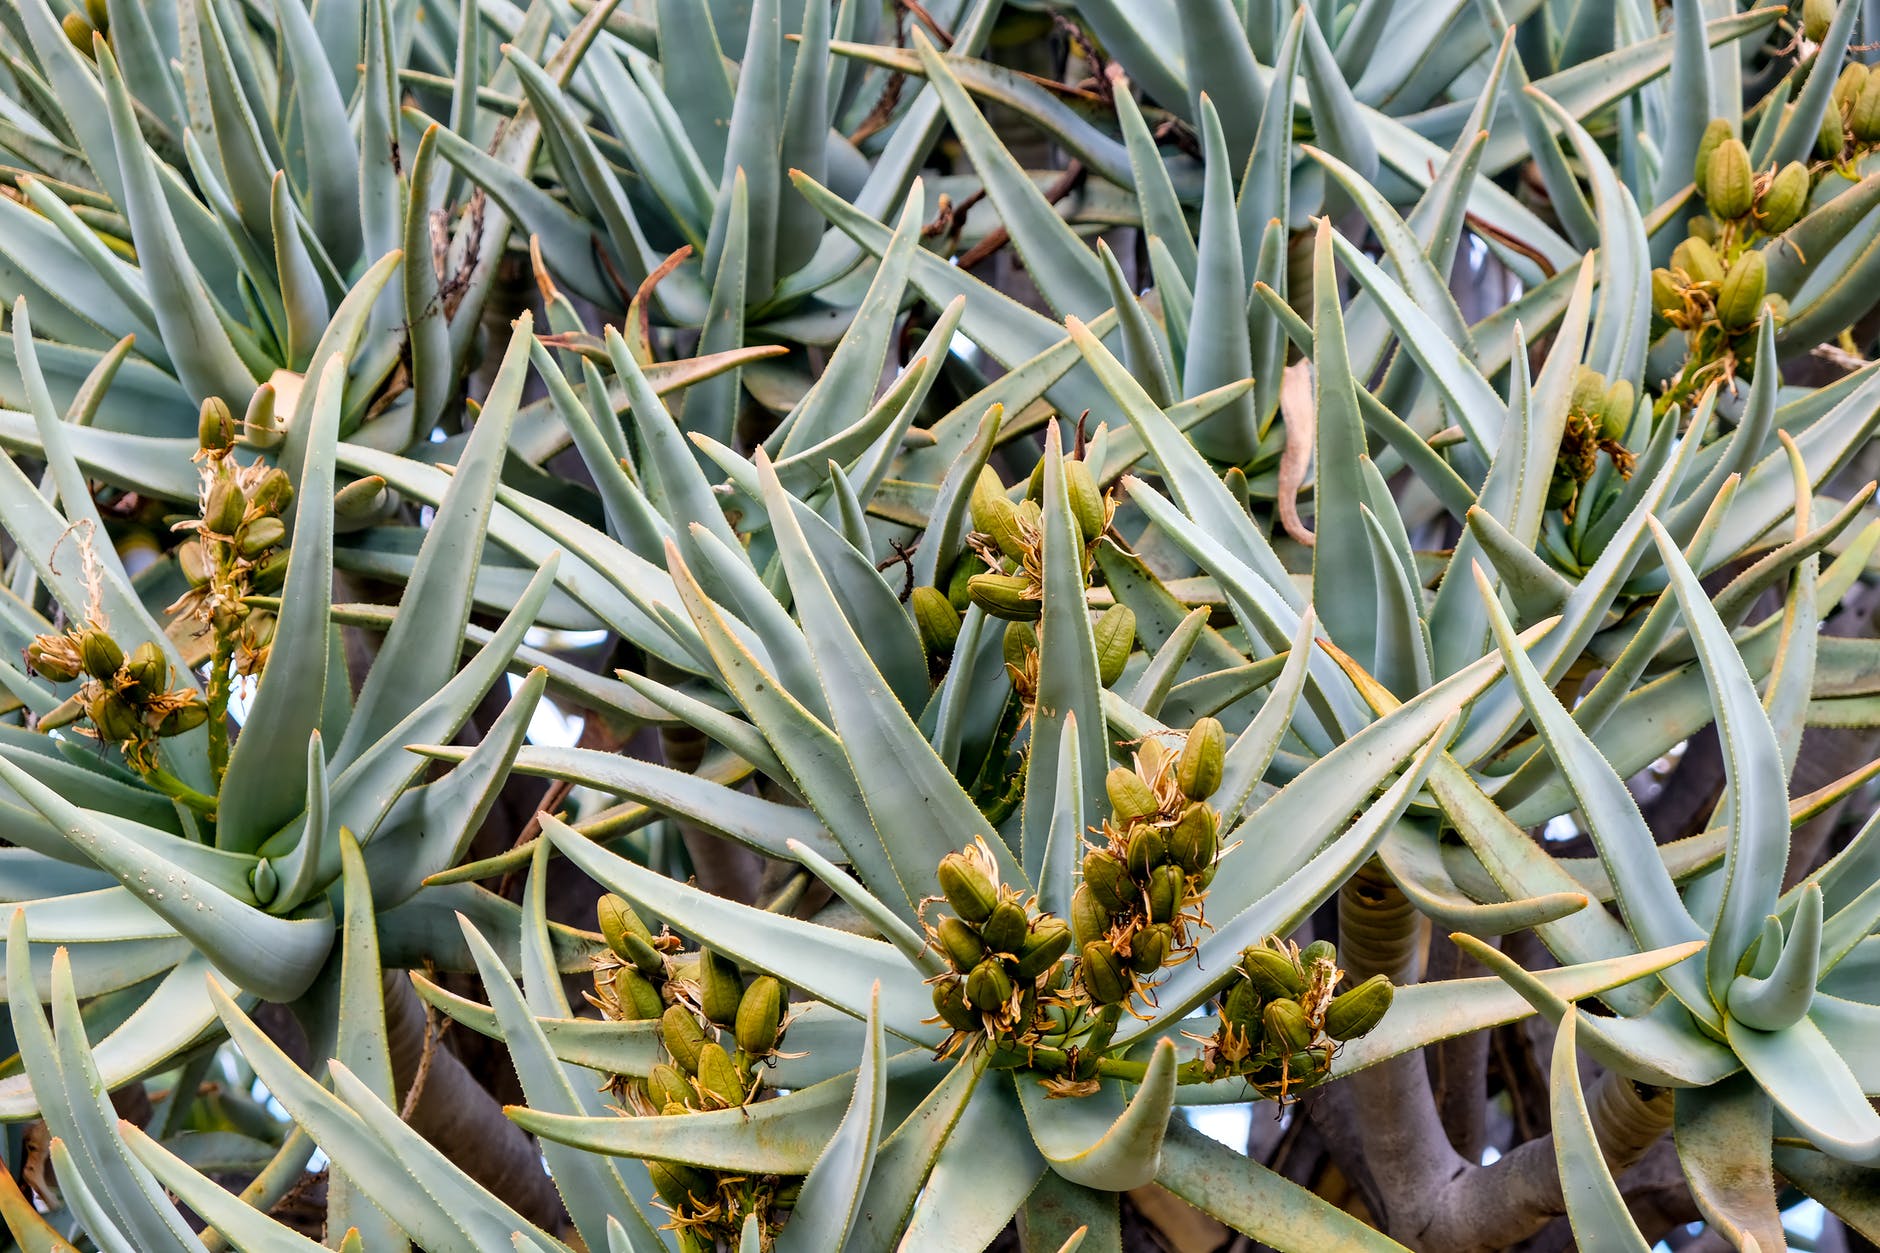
x,y
1165,891
1274,975
964,569
1741,297
193,561
55,657
1115,634
1847,86
1148,848
1306,1068
639,999
147,668
100,653
718,1077
215,425
1864,120
256,537
1729,187
949,1001
181,719
1699,260
1198,769
1005,596
1020,639
1004,930
1832,137
968,889
226,507
1615,413
1287,1027
617,920
666,1087
1667,297
1048,941
1149,948
643,955
760,1017
1714,134
1108,880
1242,1006
1353,1013
1194,840
997,516
1319,952
1589,390
1130,795
961,944
936,619
1090,918
683,1037
114,719
988,986
273,493
1785,199
1086,500
721,987
1103,974
1816,16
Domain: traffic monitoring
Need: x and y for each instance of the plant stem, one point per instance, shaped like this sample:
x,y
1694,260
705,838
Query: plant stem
x,y
179,791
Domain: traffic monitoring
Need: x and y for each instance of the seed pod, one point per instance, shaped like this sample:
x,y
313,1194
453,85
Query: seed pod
x,y
1667,296
1714,134
666,1087
967,887
1847,86
147,668
274,493
760,1016
639,999
988,986
1273,974
193,560
1103,974
1353,1013
1832,137
964,569
1148,848
1864,119
179,720
1241,1007
1194,841
1306,1068
1740,299
226,508
949,1001
1005,596
1198,769
643,955
1004,931
215,425
100,653
721,987
1816,16
1115,634
1149,948
1562,491
1166,888
618,920
1317,953
1785,199
258,629
1699,260
1049,940
1730,185
1020,639
995,515
1090,918
78,32
1086,500
256,537
936,619
1108,881
718,1078
360,498
1287,1027
683,1037
114,719
1589,389
55,657
1034,485
960,943
1130,795
1615,413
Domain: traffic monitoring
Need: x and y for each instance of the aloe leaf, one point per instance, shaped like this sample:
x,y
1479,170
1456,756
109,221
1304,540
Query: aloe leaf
x,y
1536,589
590,1185
1849,1191
1594,1206
773,942
1063,844
1162,213
1217,351
1101,1141
83,105
1416,864
904,1159
619,1048
1720,1134
332,175
752,145
1779,991
1252,750
941,544
983,1173
92,1215
835,1188
1402,660
1812,1085
1060,1215
1220,64
299,868
257,796
912,945
694,71
1255,1201
1802,121
1266,181
1338,124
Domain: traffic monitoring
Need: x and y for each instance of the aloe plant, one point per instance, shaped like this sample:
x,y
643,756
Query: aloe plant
x,y
1030,720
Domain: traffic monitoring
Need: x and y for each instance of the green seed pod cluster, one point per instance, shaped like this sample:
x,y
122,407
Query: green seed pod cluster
x,y
1000,574
1282,1016
1000,953
127,697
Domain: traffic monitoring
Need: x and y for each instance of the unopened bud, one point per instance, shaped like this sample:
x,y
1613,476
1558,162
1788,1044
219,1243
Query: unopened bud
x,y
682,1036
1007,596
1115,634
215,426
967,887
100,653
760,1016
1198,769
936,619
1730,187
1740,299
721,987
1353,1013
